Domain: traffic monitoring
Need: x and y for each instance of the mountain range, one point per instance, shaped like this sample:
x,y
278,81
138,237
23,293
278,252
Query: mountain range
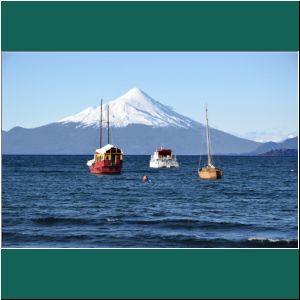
x,y
139,124
291,143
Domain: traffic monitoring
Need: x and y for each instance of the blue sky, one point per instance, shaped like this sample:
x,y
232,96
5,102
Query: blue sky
x,y
253,95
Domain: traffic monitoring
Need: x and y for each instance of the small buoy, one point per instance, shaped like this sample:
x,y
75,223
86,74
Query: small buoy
x,y
145,178
292,170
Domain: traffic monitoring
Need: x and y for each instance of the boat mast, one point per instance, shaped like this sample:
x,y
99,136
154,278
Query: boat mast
x,y
208,141
107,124
100,133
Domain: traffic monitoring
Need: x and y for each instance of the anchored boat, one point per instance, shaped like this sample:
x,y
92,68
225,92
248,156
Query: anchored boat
x,y
163,158
107,159
209,171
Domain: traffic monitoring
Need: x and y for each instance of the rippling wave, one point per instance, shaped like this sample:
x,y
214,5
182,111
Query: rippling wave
x,y
53,201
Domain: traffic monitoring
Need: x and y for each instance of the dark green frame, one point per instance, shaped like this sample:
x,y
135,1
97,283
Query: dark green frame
x,y
134,273
148,26
156,26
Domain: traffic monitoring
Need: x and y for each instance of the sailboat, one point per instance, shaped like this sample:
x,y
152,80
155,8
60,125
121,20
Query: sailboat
x,y
107,159
209,171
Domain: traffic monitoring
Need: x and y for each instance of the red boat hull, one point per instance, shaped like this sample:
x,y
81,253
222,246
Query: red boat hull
x,y
106,167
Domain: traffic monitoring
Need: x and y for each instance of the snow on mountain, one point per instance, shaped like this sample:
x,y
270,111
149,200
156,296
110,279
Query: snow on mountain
x,y
134,107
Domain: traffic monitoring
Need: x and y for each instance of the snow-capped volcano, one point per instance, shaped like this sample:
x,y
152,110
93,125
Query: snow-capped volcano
x,y
134,107
141,125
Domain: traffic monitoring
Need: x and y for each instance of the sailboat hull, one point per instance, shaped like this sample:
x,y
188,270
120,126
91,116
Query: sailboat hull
x,y
210,173
106,167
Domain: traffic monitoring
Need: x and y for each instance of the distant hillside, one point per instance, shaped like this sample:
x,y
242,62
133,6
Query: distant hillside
x,y
269,146
70,138
281,152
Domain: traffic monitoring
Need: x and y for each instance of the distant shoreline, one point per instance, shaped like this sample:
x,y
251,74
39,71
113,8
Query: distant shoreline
x,y
236,155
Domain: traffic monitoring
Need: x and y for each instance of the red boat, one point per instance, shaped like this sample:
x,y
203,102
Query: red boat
x,y
108,159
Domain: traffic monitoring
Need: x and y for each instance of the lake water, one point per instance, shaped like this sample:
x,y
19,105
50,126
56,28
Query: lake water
x,y
53,201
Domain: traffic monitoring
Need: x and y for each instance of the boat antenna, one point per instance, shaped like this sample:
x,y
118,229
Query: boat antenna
x,y
100,133
107,124
208,140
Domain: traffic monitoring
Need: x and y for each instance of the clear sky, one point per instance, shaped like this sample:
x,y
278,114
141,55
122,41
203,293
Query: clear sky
x,y
253,95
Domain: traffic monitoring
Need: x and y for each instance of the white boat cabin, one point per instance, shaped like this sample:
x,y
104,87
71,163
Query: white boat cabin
x,y
163,158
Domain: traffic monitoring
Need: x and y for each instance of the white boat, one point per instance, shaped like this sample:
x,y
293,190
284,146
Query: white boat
x,y
163,158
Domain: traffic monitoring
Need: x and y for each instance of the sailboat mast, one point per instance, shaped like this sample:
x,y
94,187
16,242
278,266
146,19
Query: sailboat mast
x,y
100,127
208,141
107,124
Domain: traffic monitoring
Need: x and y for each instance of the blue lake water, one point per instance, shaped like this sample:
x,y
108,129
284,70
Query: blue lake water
x,y
53,201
